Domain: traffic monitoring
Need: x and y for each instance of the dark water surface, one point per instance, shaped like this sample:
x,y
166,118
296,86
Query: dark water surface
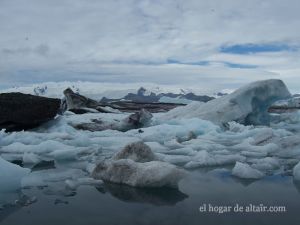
x,y
114,204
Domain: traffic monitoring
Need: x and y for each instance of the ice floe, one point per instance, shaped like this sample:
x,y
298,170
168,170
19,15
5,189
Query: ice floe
x,y
243,170
11,175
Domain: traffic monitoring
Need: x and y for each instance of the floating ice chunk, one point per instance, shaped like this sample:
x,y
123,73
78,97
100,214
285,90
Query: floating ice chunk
x,y
173,144
137,151
186,151
42,148
113,143
74,184
68,154
31,158
237,127
265,164
11,175
247,105
45,177
203,158
148,174
167,130
243,170
262,137
90,167
157,147
247,147
296,172
256,154
174,159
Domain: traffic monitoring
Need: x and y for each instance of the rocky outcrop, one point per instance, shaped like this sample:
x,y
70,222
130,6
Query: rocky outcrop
x,y
23,111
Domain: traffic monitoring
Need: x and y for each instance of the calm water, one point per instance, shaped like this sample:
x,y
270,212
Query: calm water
x,y
114,204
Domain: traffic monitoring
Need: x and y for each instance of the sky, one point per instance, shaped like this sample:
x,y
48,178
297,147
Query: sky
x,y
194,43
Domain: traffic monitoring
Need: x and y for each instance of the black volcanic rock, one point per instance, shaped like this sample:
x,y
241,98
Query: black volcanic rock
x,y
23,111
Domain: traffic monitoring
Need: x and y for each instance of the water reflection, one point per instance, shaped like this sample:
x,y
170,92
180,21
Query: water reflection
x,y
153,196
13,201
100,205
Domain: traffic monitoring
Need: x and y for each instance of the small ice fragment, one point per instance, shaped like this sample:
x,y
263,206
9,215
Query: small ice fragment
x,y
243,170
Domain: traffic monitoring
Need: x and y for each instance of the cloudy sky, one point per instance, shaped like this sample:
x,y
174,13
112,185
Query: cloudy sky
x,y
216,43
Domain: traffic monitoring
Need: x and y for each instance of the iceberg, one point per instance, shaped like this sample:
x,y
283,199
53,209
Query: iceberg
x,y
135,167
11,175
129,172
247,105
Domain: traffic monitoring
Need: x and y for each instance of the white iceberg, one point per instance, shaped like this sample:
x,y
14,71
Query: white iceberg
x,y
148,174
203,158
247,105
135,166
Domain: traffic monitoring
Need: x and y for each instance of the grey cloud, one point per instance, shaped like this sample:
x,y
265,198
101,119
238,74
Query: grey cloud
x,y
51,36
41,50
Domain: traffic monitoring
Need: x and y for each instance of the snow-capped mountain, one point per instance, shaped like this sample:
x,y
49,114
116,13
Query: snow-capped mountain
x,y
146,92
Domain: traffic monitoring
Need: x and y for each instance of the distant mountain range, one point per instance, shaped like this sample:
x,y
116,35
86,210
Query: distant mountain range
x,y
107,92
143,96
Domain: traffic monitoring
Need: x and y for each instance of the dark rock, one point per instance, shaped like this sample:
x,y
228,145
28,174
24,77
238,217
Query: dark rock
x,y
200,98
18,162
139,119
80,104
153,107
23,111
44,165
133,121
77,101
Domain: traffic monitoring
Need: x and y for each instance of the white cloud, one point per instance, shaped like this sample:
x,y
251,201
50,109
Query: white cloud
x,y
122,39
